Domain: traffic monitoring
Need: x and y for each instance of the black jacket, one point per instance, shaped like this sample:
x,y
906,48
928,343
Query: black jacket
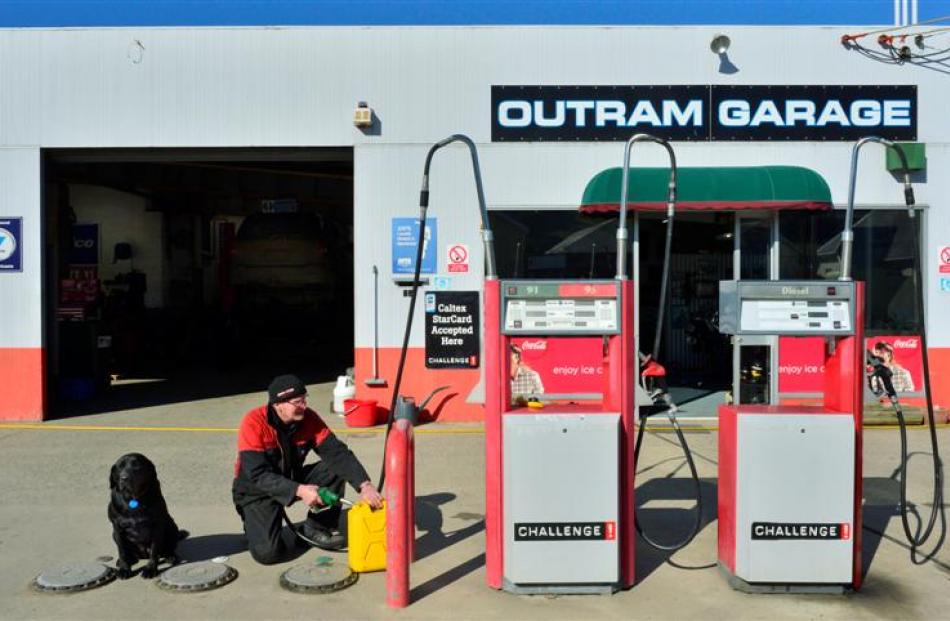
x,y
271,456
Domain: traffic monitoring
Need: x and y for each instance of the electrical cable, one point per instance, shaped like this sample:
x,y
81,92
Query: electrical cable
x,y
846,38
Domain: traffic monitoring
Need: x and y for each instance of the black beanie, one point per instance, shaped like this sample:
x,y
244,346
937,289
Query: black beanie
x,y
285,388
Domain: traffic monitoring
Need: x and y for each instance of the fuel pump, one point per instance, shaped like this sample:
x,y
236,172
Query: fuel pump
x,y
790,477
539,538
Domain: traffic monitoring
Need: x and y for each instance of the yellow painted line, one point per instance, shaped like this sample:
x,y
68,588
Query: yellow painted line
x,y
373,430
54,427
60,427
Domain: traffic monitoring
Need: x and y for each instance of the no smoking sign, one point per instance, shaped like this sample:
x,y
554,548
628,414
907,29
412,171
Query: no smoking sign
x,y
457,258
945,260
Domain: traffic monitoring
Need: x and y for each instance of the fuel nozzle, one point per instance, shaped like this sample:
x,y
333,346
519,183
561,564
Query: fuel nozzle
x,y
330,499
909,197
879,376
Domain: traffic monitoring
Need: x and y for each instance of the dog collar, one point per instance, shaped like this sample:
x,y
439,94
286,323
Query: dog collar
x,y
133,504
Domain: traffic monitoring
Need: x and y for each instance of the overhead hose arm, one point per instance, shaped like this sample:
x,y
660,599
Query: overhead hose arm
x,y
847,235
487,239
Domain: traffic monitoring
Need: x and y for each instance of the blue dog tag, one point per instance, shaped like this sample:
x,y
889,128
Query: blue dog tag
x,y
133,504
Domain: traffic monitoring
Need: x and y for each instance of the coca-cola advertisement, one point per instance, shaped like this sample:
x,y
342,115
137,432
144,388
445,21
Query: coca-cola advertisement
x,y
556,365
902,356
801,365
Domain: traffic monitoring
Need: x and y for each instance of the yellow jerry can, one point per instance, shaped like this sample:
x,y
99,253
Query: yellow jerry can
x,y
367,537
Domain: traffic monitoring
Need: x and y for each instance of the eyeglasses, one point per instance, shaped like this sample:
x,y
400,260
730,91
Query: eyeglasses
x,y
298,401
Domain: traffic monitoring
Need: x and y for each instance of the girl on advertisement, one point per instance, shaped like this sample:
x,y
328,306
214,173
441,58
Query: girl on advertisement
x,y
901,378
525,381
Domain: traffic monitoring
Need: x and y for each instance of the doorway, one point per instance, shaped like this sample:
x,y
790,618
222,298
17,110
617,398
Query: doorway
x,y
693,351
183,274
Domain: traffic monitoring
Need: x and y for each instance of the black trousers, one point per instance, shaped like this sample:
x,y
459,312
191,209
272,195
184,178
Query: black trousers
x,y
263,518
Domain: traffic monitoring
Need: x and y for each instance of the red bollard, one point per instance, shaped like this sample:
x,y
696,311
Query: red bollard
x,y
411,504
400,496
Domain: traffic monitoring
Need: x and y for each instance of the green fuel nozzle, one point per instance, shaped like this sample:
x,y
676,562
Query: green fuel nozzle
x,y
330,499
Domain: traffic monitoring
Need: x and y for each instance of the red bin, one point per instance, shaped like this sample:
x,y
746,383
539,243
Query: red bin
x,y
360,412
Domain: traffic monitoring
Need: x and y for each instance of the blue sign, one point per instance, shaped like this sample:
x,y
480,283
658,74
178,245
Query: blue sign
x,y
10,244
85,250
405,242
945,284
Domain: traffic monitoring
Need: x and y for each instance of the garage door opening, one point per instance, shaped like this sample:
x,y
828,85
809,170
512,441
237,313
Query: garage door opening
x,y
175,275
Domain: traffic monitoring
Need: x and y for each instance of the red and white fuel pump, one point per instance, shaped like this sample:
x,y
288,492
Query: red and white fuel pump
x,y
560,479
790,477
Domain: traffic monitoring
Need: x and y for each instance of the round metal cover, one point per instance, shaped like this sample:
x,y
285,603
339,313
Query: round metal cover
x,y
72,577
202,576
324,576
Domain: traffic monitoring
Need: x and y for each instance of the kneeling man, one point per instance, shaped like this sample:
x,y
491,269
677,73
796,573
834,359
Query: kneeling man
x,y
273,443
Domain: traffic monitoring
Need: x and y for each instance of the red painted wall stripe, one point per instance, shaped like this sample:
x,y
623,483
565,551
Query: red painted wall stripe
x,y
940,376
418,382
22,373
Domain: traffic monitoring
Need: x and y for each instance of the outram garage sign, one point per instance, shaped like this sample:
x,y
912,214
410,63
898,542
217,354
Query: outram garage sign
x,y
452,330
702,112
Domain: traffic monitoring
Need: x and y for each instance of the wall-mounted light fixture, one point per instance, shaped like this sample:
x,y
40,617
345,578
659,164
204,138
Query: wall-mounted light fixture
x,y
363,115
718,46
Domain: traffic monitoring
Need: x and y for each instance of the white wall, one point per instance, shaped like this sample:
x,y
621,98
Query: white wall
x,y
122,218
21,293
298,86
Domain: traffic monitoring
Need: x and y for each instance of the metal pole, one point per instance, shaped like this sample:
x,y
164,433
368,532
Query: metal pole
x,y
622,226
671,198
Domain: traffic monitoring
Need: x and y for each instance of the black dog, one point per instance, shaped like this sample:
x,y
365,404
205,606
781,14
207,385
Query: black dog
x,y
141,525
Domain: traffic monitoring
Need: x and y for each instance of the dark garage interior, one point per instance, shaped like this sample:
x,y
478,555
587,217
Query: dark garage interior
x,y
182,274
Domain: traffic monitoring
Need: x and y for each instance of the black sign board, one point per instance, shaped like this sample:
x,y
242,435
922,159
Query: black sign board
x,y
703,112
813,113
538,113
452,330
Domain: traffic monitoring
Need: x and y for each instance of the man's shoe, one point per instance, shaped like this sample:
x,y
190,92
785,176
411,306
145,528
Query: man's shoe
x,y
322,537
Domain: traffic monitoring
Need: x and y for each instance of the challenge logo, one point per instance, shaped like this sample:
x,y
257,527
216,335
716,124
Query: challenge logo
x,y
565,531
779,530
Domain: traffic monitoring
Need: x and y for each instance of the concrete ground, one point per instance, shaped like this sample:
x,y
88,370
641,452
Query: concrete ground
x,y
55,492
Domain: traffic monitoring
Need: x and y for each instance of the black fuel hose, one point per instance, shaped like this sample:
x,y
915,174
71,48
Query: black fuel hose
x,y
670,411
919,536
488,242
698,512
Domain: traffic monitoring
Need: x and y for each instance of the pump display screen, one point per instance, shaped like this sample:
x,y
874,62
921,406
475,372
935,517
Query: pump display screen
x,y
532,307
786,307
783,316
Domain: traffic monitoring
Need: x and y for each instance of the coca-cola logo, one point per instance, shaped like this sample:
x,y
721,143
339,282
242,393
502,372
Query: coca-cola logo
x,y
539,345
905,344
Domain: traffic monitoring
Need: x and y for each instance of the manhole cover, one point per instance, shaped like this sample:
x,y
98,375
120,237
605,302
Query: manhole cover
x,y
72,577
202,576
323,576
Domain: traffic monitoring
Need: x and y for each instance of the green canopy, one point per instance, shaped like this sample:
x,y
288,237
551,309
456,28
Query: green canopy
x,y
732,188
